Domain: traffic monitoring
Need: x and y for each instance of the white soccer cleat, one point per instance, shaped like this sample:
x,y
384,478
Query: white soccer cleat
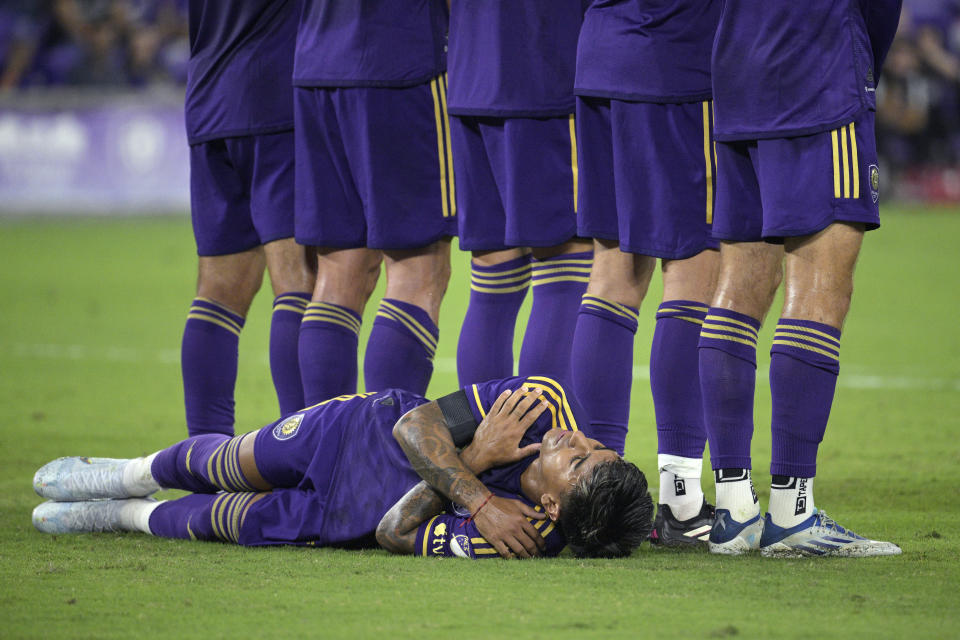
x,y
92,516
79,478
820,535
732,538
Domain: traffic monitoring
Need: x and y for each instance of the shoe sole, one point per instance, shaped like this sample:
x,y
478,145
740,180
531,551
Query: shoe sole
x,y
781,550
736,547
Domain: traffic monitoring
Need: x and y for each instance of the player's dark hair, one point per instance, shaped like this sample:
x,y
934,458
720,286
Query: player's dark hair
x,y
608,513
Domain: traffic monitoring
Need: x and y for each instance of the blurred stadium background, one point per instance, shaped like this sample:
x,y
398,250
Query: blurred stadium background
x,y
91,95
91,124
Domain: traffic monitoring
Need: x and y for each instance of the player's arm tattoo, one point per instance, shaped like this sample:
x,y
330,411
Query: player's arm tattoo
x,y
425,439
397,531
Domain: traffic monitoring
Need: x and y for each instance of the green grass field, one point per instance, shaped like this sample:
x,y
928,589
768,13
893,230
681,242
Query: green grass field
x,y
90,323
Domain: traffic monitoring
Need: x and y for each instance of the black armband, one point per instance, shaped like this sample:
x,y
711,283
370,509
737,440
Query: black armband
x,y
458,417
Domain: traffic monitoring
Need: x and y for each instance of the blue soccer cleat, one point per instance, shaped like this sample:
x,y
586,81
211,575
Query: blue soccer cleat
x,y
81,478
819,535
732,538
91,516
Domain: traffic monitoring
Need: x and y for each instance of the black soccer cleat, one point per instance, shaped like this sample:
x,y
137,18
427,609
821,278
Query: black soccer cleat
x,y
685,534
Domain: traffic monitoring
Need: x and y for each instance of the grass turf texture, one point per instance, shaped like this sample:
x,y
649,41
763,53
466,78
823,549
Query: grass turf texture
x,y
89,335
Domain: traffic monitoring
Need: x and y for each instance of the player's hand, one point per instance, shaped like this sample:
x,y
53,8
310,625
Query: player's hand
x,y
497,439
503,523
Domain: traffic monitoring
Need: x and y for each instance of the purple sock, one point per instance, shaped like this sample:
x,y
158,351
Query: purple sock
x,y
187,518
558,285
328,351
284,342
675,378
202,517
728,374
603,352
201,464
401,347
208,361
804,364
485,346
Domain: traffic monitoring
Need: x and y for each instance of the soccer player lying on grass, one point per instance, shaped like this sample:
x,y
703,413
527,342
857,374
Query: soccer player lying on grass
x,y
336,473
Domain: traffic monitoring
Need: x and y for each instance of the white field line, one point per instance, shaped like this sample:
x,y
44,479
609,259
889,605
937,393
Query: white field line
x,y
133,355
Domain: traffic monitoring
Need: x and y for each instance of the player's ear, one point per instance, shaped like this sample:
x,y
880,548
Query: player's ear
x,y
550,505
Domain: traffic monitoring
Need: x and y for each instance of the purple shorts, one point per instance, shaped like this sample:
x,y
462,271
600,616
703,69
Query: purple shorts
x,y
787,187
516,181
241,192
373,167
647,175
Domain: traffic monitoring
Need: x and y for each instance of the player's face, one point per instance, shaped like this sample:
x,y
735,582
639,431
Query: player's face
x,y
567,455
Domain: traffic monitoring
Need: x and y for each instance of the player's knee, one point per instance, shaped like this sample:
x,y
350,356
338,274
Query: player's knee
x,y
292,267
230,283
347,277
624,280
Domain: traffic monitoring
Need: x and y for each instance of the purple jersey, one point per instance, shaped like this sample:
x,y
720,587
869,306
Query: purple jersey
x,y
513,59
349,463
238,77
453,533
370,43
786,69
647,50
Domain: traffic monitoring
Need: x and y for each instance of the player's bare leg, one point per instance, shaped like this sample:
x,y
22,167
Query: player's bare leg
x,y
404,336
750,273
226,286
819,274
329,332
558,280
498,285
749,276
602,351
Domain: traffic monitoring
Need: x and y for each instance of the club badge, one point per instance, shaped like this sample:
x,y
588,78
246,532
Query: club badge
x,y
288,428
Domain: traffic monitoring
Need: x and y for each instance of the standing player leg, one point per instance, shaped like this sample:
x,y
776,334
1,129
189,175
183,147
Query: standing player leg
x,y
329,216
404,336
823,227
558,280
209,349
231,264
688,287
292,276
330,330
498,284
602,350
749,277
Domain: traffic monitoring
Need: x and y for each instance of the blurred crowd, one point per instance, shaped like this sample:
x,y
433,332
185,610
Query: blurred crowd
x,y
98,43
140,43
918,116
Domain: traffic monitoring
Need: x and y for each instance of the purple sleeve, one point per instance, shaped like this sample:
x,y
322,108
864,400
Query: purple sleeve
x,y
448,535
882,18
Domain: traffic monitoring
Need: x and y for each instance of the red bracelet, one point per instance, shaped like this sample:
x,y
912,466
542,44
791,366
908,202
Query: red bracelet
x,y
470,519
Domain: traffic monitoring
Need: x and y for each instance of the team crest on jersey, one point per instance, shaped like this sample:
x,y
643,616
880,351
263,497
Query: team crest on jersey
x,y
874,182
460,546
288,428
